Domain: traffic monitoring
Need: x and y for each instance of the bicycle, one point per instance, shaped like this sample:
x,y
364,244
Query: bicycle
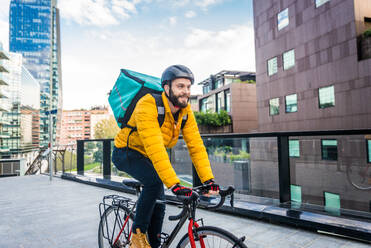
x,y
117,214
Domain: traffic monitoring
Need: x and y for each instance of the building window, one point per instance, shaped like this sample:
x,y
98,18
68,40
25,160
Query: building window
x,y
227,98
291,102
289,59
219,101
329,149
294,148
272,66
283,19
203,103
218,83
368,151
274,106
321,2
326,97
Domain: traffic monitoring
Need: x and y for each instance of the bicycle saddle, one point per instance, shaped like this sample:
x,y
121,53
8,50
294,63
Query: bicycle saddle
x,y
131,182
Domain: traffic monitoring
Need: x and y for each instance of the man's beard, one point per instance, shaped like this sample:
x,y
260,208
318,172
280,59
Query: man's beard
x,y
175,100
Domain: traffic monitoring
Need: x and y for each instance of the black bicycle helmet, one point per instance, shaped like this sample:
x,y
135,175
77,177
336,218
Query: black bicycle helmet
x,y
174,72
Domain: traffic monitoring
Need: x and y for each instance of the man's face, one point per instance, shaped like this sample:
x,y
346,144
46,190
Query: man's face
x,y
180,91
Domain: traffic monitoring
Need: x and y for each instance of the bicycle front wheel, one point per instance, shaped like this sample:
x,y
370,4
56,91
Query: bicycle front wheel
x,y
110,226
212,237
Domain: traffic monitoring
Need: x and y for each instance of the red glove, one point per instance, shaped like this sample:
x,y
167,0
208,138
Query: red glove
x,y
181,190
212,185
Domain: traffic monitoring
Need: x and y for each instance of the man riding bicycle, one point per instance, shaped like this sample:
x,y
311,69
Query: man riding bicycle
x,y
140,151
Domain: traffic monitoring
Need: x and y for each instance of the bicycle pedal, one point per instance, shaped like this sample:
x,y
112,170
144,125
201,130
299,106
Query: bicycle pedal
x,y
117,244
163,237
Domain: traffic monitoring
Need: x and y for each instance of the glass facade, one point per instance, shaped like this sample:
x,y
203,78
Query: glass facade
x,y
283,19
289,59
4,101
227,97
274,106
272,66
326,97
21,119
321,2
34,32
291,102
220,101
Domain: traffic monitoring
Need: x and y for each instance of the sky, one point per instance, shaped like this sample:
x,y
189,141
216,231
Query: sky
x,y
100,37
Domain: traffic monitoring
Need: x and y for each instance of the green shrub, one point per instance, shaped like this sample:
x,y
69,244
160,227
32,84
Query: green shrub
x,y
241,156
213,119
367,33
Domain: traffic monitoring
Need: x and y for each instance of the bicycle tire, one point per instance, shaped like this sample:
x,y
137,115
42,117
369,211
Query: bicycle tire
x,y
213,237
109,228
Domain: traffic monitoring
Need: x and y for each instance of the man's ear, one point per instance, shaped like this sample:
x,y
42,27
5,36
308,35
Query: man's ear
x,y
166,88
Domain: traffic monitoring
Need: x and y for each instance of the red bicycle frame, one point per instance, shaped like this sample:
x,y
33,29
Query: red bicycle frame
x,y
192,224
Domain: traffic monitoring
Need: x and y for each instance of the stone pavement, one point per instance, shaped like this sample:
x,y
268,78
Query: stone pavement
x,y
35,212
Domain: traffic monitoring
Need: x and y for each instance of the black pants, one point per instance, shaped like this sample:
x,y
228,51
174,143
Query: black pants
x,y
149,215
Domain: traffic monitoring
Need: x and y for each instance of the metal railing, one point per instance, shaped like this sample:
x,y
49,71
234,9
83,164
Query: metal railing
x,y
300,171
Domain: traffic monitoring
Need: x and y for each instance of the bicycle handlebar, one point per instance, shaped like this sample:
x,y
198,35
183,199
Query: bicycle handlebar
x,y
196,192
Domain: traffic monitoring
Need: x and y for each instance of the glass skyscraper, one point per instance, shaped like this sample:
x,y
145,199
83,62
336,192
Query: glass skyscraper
x,y
19,107
34,32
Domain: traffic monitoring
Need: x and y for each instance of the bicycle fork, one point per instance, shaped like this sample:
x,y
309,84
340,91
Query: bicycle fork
x,y
192,224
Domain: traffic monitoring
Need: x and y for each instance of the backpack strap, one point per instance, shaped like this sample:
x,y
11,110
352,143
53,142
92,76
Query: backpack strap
x,y
184,120
160,109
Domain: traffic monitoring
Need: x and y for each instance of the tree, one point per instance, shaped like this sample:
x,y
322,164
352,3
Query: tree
x,y
106,129
98,156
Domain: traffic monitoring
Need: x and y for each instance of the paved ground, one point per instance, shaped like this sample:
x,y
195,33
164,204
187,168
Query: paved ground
x,y
35,212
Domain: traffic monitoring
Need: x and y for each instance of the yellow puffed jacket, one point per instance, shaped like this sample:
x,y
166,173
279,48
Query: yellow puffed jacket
x,y
151,140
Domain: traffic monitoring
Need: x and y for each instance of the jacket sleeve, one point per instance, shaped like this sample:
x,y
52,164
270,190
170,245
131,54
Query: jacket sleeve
x,y
150,133
196,148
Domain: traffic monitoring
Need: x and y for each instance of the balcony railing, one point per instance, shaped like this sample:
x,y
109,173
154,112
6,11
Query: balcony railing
x,y
319,172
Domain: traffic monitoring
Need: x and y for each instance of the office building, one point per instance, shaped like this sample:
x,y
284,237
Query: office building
x,y
313,73
309,73
34,32
22,117
4,100
234,92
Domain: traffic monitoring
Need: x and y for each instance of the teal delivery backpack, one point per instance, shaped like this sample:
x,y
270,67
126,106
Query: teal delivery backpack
x,y
128,89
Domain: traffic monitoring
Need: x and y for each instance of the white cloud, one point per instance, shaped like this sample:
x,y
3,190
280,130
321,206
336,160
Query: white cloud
x,y
204,52
206,3
172,21
190,14
97,12
4,34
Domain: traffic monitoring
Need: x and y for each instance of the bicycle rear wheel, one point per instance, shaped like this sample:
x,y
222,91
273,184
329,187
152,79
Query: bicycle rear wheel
x,y
213,237
110,226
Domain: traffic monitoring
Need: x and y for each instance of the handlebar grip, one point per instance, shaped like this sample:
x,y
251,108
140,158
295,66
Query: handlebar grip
x,y
223,194
228,191
186,200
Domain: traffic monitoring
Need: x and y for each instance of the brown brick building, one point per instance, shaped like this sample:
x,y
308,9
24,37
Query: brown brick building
x,y
235,92
313,72
309,73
